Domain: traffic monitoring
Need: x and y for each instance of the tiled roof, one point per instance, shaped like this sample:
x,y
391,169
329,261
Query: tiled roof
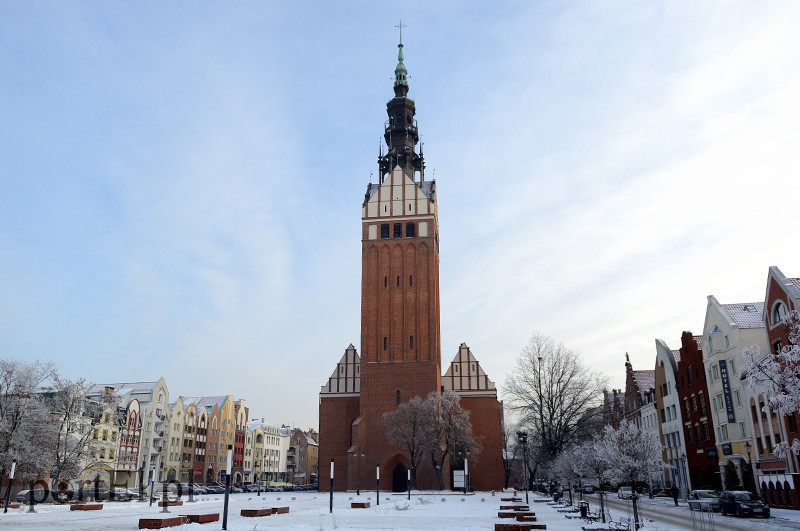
x,y
795,282
645,379
677,355
746,314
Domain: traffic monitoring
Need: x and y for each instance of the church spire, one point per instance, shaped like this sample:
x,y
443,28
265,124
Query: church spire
x,y
400,72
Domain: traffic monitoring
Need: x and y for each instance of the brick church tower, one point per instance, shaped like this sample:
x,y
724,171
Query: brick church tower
x,y
400,339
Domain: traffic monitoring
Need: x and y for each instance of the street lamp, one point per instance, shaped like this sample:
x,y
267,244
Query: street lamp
x,y
685,487
522,438
748,448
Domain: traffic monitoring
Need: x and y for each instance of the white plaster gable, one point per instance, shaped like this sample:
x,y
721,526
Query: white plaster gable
x,y
346,377
466,377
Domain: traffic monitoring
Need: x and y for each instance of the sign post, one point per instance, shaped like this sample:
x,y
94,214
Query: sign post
x,y
331,504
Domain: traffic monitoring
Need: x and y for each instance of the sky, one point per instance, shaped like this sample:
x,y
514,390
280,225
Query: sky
x,y
181,182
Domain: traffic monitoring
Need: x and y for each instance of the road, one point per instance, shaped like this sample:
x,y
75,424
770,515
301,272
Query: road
x,y
661,513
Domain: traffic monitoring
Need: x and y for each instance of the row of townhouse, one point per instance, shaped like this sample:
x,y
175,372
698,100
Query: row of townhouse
x,y
142,436
279,454
715,431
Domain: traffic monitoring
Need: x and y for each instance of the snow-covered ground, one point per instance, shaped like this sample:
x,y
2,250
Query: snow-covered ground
x,y
310,511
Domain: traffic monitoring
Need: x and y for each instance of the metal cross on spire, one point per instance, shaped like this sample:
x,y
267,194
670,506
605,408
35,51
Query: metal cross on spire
x,y
401,26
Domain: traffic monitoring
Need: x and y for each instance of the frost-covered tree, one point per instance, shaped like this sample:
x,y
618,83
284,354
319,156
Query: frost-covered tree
x,y
549,389
73,415
778,376
450,432
410,425
26,425
632,455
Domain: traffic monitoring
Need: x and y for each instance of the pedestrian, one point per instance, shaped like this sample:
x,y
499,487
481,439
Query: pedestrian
x,y
675,494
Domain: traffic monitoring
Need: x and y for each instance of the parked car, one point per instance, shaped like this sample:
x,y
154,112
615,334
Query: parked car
x,y
625,493
214,489
39,496
588,489
704,500
742,503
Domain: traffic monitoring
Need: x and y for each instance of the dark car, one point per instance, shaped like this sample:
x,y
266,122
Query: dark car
x,y
704,500
742,503
40,496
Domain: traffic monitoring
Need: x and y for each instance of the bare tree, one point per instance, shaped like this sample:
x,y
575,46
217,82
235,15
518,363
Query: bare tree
x,y
410,425
451,431
549,389
632,455
74,415
26,427
778,376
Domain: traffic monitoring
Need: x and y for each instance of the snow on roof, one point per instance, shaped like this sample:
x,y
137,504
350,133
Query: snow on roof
x,y
746,314
677,355
645,379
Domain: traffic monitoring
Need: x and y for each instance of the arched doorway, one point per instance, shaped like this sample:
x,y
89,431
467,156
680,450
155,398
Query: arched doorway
x,y
399,478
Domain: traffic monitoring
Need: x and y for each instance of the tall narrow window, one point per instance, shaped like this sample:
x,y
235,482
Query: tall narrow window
x,y
411,342
385,282
385,343
398,282
397,397
410,280
398,230
410,230
384,231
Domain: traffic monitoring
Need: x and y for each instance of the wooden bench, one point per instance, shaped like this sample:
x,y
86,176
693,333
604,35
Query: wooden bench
x,y
172,503
14,505
518,526
359,505
254,513
202,518
282,510
523,517
158,523
507,514
514,499
514,507
86,507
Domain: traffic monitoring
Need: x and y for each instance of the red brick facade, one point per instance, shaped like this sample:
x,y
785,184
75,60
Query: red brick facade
x,y
698,429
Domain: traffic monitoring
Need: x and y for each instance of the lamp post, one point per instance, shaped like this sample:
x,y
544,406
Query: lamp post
x,y
227,487
748,448
685,483
378,484
10,481
522,438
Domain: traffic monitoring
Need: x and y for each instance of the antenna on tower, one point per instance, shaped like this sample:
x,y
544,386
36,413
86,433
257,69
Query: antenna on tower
x,y
370,177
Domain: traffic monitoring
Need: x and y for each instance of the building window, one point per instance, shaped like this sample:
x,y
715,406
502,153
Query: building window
x,y
778,313
689,374
410,228
737,398
411,342
384,231
732,366
385,282
385,343
398,281
398,230
792,422
397,397
410,280
776,347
